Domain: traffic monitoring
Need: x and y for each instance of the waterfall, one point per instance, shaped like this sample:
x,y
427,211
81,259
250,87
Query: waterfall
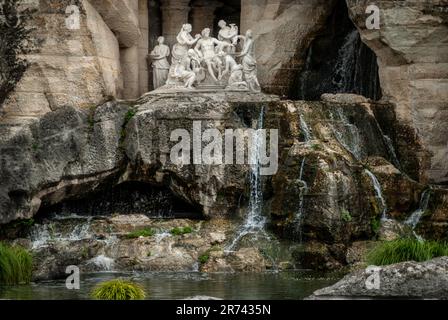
x,y
305,129
392,153
298,219
416,216
254,222
304,76
43,234
379,193
103,263
345,67
348,136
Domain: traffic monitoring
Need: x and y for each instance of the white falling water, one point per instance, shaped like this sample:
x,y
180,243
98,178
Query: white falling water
x,y
255,221
103,263
305,129
346,63
416,216
298,220
379,193
44,234
391,149
347,135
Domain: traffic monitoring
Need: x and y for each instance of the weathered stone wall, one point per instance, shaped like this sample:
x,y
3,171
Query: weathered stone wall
x,y
283,30
76,67
412,52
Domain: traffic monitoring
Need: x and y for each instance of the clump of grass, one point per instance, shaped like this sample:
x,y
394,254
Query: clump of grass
x,y
181,231
16,265
346,216
407,249
147,232
118,289
203,258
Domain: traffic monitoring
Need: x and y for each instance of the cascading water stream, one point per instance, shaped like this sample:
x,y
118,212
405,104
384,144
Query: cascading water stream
x,y
255,221
379,193
43,234
307,135
298,219
416,216
392,152
346,64
347,135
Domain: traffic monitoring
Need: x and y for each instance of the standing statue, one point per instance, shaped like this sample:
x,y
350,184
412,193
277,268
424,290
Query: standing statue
x,y
180,74
160,63
207,51
184,42
249,63
228,34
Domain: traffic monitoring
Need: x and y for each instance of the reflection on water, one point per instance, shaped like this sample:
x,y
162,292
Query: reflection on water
x,y
160,286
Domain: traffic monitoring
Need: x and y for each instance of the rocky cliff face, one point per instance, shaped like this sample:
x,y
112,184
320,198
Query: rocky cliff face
x,y
412,56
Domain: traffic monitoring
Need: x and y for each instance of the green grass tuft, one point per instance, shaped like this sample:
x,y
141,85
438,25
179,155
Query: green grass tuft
x,y
401,250
118,289
346,216
16,265
203,258
147,232
180,231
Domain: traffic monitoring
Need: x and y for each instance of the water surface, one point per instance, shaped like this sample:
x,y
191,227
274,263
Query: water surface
x,y
160,286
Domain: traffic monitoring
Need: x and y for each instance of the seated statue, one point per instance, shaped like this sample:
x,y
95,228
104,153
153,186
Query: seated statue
x,y
181,73
206,49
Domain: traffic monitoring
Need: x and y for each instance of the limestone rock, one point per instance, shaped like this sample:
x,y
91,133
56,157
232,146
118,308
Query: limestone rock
x,y
412,280
413,66
280,57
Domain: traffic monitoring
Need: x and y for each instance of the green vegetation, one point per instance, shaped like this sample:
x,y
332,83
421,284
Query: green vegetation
x,y
178,231
375,224
408,249
346,216
203,258
16,265
147,232
127,117
118,289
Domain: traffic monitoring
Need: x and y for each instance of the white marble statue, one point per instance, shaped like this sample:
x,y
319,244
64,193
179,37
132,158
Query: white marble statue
x,y
181,73
235,70
160,64
207,63
206,48
249,63
228,34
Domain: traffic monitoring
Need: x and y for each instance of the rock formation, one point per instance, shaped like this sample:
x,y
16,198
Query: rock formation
x,y
408,280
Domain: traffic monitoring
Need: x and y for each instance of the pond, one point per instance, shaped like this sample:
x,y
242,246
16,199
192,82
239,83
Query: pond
x,y
294,285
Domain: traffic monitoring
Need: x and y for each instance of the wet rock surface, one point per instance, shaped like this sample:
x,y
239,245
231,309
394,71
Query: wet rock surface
x,y
409,280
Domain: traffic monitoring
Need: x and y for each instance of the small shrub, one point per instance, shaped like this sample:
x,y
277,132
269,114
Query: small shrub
x,y
375,224
16,265
118,289
406,250
147,232
346,216
203,258
181,231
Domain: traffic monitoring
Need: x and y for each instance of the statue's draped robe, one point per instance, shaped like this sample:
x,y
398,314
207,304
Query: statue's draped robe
x,y
161,66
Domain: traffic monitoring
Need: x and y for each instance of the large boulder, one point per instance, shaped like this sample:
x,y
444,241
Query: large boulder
x,y
411,280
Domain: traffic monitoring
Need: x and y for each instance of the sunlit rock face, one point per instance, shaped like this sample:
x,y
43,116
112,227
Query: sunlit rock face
x,y
70,153
413,64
